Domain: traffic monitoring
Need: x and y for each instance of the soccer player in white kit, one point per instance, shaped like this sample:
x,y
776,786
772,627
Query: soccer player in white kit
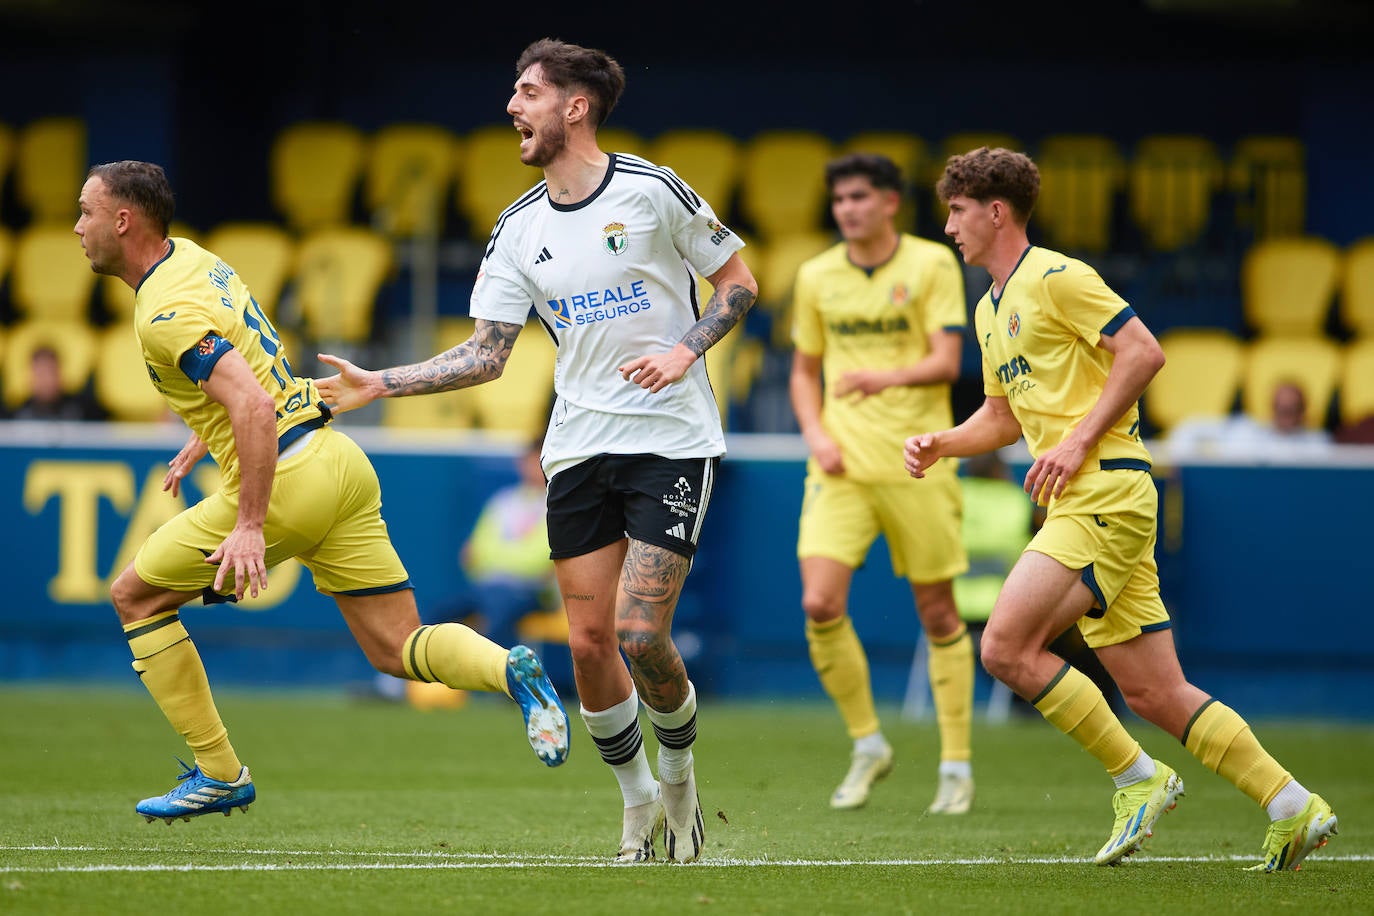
x,y
607,250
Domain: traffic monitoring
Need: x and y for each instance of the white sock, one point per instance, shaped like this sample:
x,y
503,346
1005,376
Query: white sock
x,y
615,732
1142,769
874,745
1288,802
676,732
960,768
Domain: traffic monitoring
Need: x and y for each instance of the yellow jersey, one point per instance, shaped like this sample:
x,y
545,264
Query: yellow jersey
x,y
191,308
1039,343
882,318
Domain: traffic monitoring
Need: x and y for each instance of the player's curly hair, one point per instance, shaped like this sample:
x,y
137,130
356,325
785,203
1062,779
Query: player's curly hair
x,y
144,185
984,174
567,65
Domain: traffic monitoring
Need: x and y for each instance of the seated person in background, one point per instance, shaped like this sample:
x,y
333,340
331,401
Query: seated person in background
x,y
47,400
1286,435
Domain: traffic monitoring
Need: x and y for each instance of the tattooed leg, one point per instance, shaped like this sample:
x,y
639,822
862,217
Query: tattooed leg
x,y
651,582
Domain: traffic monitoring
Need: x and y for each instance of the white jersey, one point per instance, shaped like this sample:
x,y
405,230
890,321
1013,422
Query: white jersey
x,y
612,278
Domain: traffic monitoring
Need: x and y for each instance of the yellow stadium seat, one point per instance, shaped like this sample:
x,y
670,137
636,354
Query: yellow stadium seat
x,y
74,342
775,264
517,404
1172,179
340,272
492,177
1201,376
263,254
1269,178
121,378
1080,176
1356,307
1287,285
782,182
52,280
621,140
315,169
408,177
50,167
707,159
1357,380
912,156
1313,363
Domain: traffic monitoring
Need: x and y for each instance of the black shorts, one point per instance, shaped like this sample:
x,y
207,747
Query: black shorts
x,y
660,501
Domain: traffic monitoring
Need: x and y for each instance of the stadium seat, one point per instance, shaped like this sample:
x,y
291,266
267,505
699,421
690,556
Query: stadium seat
x,y
782,182
50,167
340,272
1313,363
492,177
408,176
1171,180
1201,376
621,140
1268,176
707,159
1080,176
775,264
74,342
51,278
1356,307
121,377
517,404
911,154
1356,392
442,412
314,171
262,253
1287,285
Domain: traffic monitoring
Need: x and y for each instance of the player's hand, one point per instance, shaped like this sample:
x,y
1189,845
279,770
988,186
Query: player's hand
x,y
660,370
827,453
352,387
1051,472
245,552
181,465
862,382
920,452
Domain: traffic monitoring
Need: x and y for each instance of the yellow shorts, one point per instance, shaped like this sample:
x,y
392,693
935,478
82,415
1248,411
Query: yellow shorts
x,y
325,510
920,519
1116,553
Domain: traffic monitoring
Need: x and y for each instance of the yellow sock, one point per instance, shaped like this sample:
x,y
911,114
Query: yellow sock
x,y
1222,740
456,655
169,666
839,660
951,688
1073,704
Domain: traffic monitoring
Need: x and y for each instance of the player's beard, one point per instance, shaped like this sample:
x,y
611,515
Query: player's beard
x,y
550,142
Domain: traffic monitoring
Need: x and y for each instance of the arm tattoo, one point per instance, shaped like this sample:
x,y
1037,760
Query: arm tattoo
x,y
478,359
724,310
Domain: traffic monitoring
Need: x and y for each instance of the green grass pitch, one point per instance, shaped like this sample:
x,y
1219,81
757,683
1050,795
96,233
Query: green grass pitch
x,y
375,808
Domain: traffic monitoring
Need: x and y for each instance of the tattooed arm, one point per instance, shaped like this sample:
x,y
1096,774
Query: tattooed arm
x,y
734,293
480,358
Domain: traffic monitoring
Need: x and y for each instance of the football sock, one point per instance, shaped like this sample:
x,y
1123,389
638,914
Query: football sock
x,y
1139,771
676,731
1289,801
617,737
874,745
1222,740
169,666
1072,703
456,655
950,667
839,660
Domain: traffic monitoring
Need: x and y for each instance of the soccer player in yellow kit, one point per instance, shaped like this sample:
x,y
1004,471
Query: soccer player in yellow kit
x,y
1065,362
880,317
291,486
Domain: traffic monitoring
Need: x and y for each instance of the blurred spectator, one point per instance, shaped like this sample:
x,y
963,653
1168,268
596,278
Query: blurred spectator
x,y
47,400
1286,435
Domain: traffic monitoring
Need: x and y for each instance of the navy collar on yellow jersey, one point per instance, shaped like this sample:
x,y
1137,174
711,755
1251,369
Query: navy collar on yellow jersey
x,y
171,247
998,298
